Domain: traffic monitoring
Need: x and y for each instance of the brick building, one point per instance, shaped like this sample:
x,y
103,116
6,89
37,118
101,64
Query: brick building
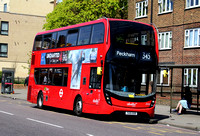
x,y
20,20
178,24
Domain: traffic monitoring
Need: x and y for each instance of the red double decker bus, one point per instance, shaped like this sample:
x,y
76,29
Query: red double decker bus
x,y
99,67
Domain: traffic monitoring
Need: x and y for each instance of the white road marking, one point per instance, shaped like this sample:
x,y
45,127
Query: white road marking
x,y
44,123
6,113
90,135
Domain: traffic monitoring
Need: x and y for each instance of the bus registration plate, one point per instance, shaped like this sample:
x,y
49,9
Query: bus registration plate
x,y
130,113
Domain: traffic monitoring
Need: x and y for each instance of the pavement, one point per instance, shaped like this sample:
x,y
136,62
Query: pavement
x,y
189,120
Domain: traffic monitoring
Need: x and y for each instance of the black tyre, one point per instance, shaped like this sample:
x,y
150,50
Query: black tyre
x,y
78,106
40,100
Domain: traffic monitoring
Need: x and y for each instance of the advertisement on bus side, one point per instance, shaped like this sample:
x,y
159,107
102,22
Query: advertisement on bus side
x,y
74,57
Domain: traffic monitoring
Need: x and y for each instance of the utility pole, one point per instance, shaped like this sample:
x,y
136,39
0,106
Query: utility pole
x,y
54,3
151,12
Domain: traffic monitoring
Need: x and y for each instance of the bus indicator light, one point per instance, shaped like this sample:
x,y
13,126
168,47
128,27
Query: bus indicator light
x,y
61,93
131,96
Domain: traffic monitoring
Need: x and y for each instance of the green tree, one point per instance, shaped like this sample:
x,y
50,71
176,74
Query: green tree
x,y
29,54
71,12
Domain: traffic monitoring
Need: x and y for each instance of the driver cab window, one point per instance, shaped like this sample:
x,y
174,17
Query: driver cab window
x,y
95,80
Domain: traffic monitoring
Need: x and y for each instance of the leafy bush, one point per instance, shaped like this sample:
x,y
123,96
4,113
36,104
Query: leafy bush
x,y
19,80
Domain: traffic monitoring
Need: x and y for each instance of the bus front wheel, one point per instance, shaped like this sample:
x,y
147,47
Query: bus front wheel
x,y
78,106
40,100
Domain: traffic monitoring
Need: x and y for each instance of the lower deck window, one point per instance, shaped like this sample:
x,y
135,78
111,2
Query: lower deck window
x,y
51,76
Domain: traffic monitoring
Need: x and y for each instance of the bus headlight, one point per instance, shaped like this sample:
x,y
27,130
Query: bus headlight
x,y
108,100
152,103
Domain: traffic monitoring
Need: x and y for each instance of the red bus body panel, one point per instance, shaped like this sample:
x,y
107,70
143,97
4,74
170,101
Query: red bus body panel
x,y
93,99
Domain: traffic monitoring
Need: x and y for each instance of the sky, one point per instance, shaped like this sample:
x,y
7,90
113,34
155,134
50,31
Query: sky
x,y
59,1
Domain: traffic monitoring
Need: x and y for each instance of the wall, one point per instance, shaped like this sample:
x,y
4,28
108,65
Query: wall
x,y
176,21
22,30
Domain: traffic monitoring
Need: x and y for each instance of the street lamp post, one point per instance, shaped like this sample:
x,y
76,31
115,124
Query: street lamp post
x,y
151,12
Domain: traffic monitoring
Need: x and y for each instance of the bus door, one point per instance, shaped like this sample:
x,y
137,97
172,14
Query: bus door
x,y
60,77
94,87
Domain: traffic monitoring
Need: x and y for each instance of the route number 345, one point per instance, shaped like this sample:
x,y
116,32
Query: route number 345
x,y
146,56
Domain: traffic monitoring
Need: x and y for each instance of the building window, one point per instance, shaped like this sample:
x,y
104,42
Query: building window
x,y
3,50
141,9
163,77
190,77
165,40
5,7
144,78
192,37
165,6
192,3
4,28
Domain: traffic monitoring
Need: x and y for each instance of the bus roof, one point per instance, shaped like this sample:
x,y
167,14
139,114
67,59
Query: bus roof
x,y
88,23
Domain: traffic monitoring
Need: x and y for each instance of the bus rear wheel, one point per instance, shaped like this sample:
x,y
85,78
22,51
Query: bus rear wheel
x,y
40,100
78,106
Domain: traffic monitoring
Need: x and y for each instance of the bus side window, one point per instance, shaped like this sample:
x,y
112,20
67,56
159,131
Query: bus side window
x,y
50,74
95,80
36,76
72,37
43,76
65,74
57,77
97,33
84,35
54,40
38,42
47,41
61,39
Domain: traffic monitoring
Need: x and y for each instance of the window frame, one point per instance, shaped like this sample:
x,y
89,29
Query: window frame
x,y
161,75
188,75
5,7
4,52
160,40
189,6
187,39
4,31
143,7
162,3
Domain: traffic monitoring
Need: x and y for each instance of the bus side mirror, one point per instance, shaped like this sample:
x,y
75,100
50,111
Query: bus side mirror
x,y
99,70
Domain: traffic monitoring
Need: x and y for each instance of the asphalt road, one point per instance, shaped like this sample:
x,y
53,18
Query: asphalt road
x,y
21,118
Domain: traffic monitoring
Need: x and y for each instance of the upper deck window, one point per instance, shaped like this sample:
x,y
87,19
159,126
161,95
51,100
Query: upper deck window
x,y
54,40
84,35
61,38
47,41
72,37
130,33
98,33
38,42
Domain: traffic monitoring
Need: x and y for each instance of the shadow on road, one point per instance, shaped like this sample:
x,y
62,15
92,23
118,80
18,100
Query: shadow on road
x,y
160,117
110,118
